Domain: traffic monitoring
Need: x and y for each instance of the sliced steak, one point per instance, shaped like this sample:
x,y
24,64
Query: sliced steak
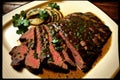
x,y
42,43
18,54
86,33
78,59
64,52
32,61
76,40
56,58
68,60
28,37
38,42
36,56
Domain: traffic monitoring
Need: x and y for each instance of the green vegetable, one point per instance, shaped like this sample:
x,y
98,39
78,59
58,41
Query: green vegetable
x,y
20,22
70,23
35,55
50,59
42,54
43,15
78,34
80,37
45,50
58,48
77,46
55,41
31,44
53,32
23,14
19,32
54,5
57,45
82,28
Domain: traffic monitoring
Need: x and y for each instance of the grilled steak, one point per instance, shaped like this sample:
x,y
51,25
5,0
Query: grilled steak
x,y
56,58
59,45
35,56
76,41
32,62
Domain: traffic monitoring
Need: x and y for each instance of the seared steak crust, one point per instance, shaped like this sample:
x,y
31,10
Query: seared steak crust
x,y
76,40
18,54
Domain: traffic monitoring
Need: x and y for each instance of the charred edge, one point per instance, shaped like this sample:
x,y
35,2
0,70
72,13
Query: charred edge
x,y
71,57
56,68
35,71
19,66
18,57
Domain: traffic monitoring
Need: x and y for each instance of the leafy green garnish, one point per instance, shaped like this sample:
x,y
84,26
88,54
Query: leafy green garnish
x,y
35,55
54,5
20,22
23,14
77,46
31,44
50,59
78,34
80,37
53,32
43,15
57,45
45,50
55,40
58,48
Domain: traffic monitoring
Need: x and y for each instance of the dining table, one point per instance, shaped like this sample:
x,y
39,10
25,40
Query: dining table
x,y
109,7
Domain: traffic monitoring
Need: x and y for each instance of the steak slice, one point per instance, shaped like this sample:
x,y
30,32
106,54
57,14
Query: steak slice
x,y
67,59
38,42
64,52
42,43
78,59
18,54
56,60
28,38
32,61
36,56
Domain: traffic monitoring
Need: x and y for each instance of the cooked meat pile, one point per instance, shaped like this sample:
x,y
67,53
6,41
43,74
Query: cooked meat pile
x,y
73,42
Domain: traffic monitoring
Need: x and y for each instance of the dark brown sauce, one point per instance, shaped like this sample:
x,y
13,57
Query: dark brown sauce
x,y
104,50
72,74
75,73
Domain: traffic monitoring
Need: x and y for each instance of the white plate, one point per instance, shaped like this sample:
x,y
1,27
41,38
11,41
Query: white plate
x,y
105,68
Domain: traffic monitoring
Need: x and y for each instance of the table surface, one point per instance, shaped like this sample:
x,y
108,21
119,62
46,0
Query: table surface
x,y
110,8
